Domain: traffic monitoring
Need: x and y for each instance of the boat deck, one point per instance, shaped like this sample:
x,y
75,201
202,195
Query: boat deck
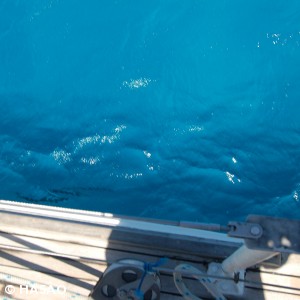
x,y
41,245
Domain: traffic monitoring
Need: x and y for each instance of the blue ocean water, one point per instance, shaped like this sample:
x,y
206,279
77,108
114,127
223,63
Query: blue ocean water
x,y
167,109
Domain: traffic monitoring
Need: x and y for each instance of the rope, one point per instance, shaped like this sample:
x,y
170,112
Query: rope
x,y
153,267
191,274
148,268
185,292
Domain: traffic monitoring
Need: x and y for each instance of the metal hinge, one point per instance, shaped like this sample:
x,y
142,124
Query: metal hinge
x,y
244,230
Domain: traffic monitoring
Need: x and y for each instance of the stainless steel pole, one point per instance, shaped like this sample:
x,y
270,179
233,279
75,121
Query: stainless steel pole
x,y
244,258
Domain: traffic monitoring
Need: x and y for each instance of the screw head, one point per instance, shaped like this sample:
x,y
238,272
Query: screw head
x,y
255,230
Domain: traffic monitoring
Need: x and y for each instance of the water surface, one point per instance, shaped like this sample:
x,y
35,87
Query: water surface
x,y
166,109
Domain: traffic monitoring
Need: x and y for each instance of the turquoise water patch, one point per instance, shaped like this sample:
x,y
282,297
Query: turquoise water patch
x,y
178,110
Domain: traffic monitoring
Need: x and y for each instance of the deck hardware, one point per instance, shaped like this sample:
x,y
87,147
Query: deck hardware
x,y
280,235
268,233
236,277
235,266
126,279
109,291
265,238
244,230
244,258
255,230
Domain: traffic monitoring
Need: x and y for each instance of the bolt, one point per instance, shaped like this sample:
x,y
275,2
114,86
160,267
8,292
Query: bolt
x,y
255,230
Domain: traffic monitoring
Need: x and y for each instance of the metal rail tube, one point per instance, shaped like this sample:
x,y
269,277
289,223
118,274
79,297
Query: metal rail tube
x,y
244,258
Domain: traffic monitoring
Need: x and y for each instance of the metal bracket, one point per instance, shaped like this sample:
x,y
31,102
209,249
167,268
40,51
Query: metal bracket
x,y
279,235
245,230
268,233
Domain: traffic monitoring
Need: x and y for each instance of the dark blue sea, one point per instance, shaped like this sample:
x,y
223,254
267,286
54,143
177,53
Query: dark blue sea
x,y
167,109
